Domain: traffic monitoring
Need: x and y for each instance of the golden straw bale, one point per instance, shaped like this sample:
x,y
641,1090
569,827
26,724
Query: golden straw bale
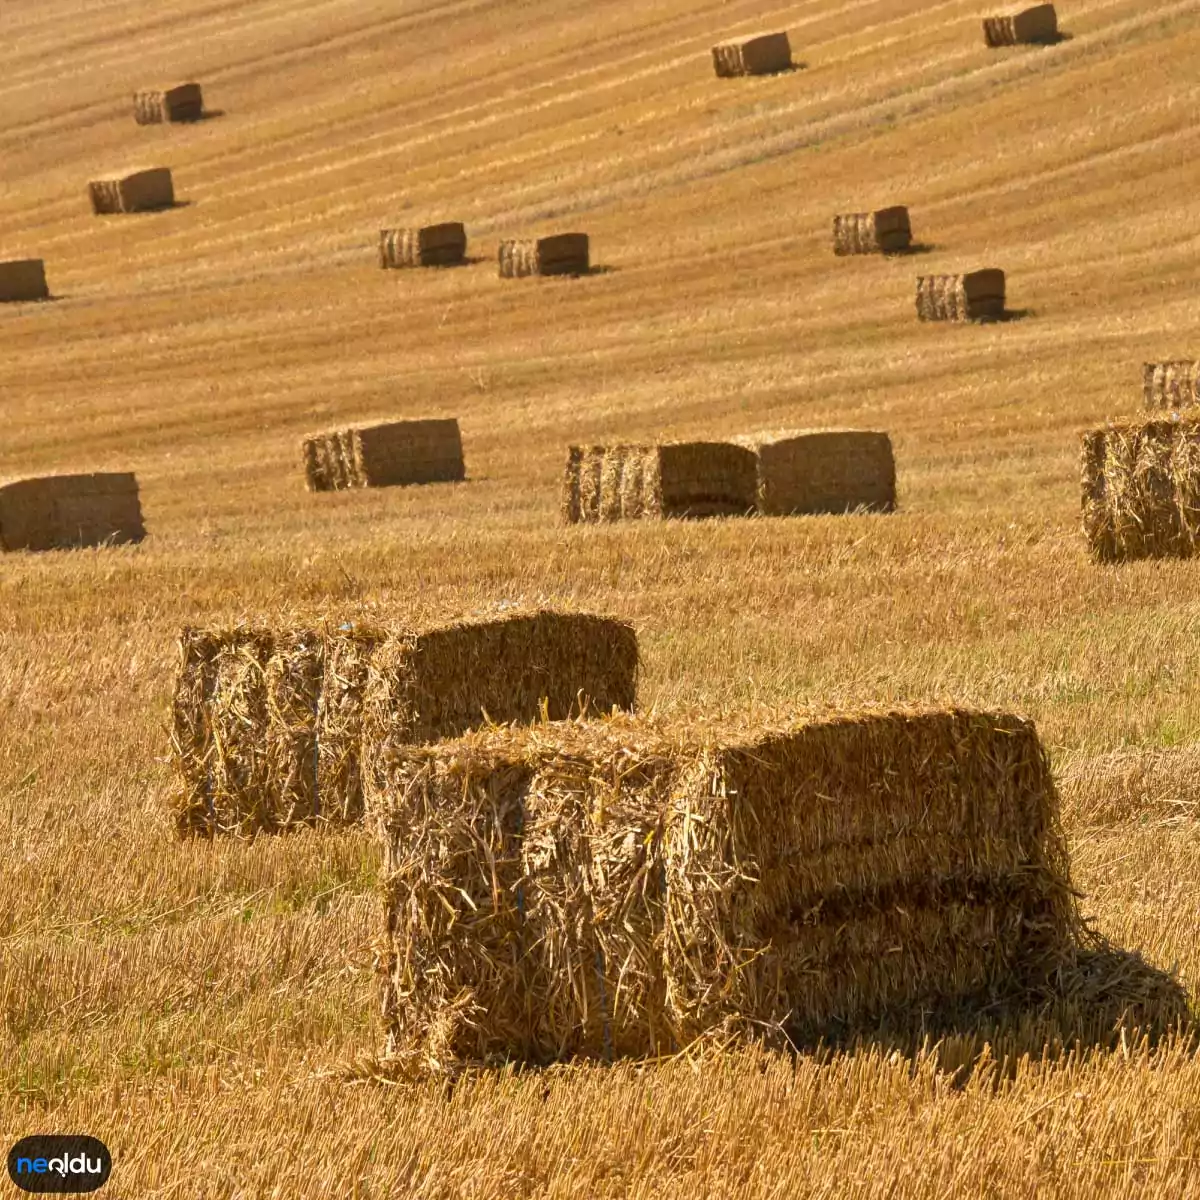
x,y
1032,26
53,512
762,54
137,191
977,295
885,231
23,279
430,246
1171,385
561,254
384,455
180,102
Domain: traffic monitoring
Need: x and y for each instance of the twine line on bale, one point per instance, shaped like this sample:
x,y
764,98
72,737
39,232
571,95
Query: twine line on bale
x,y
762,54
1171,385
390,454
561,254
975,296
1033,26
23,279
53,512
885,231
137,191
181,102
429,246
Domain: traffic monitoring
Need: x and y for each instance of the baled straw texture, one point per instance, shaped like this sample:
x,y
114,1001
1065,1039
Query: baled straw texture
x,y
618,888
561,254
977,295
762,54
67,511
182,102
1171,385
1030,27
442,245
885,231
1141,490
138,191
386,455
23,279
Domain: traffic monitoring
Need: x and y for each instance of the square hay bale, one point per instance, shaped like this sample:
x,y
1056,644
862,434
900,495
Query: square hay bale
x,y
275,727
1030,27
619,888
823,471
1171,385
561,254
138,191
23,279
762,54
1141,490
674,479
385,455
885,231
975,296
430,246
53,512
180,102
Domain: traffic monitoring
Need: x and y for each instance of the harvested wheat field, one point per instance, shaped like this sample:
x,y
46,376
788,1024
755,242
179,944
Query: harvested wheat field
x,y
212,1007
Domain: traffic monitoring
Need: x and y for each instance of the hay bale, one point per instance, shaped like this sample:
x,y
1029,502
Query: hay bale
x,y
823,471
1030,27
180,102
761,54
975,296
275,727
386,455
23,279
674,479
429,246
1171,385
1141,490
885,231
620,888
53,512
561,254
137,191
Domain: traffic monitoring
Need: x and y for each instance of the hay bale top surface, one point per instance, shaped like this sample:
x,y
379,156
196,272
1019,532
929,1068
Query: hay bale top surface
x,y
750,39
772,437
92,480
131,173
416,425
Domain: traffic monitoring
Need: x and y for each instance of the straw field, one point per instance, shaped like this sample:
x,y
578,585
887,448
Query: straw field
x,y
210,1008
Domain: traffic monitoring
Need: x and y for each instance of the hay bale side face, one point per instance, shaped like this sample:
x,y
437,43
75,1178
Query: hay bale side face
x,y
70,511
727,60
183,102
408,452
706,479
105,196
1036,25
611,483
148,107
975,296
1171,385
832,471
431,246
23,279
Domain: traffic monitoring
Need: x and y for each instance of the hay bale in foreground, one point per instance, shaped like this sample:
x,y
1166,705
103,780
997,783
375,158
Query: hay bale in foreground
x,y
885,231
442,245
387,455
181,102
975,296
275,727
54,512
675,479
1171,385
23,279
762,54
617,888
1141,490
137,191
1030,27
823,471
561,254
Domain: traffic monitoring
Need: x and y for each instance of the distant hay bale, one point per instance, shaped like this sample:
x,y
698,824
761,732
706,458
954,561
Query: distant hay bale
x,y
1035,25
762,54
386,455
429,246
823,471
1141,490
277,727
561,254
623,889
885,231
675,479
138,191
975,296
181,102
1171,385
54,512
23,279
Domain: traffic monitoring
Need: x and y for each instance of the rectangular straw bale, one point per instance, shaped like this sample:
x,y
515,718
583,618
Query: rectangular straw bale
x,y
137,191
385,455
23,279
1031,26
1171,385
181,102
977,295
823,471
620,888
762,54
64,511
885,231
560,254
430,246
1141,490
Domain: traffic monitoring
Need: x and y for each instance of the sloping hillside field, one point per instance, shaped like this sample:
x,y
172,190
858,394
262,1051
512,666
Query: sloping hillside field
x,y
210,1008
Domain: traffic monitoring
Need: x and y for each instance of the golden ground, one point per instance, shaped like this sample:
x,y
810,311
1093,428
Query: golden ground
x,y
195,1006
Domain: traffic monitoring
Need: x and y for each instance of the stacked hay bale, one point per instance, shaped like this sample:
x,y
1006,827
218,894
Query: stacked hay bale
x,y
442,245
385,455
621,889
1141,490
23,279
675,479
54,512
1171,385
975,296
1035,25
762,54
180,102
823,471
885,231
273,727
137,191
561,254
